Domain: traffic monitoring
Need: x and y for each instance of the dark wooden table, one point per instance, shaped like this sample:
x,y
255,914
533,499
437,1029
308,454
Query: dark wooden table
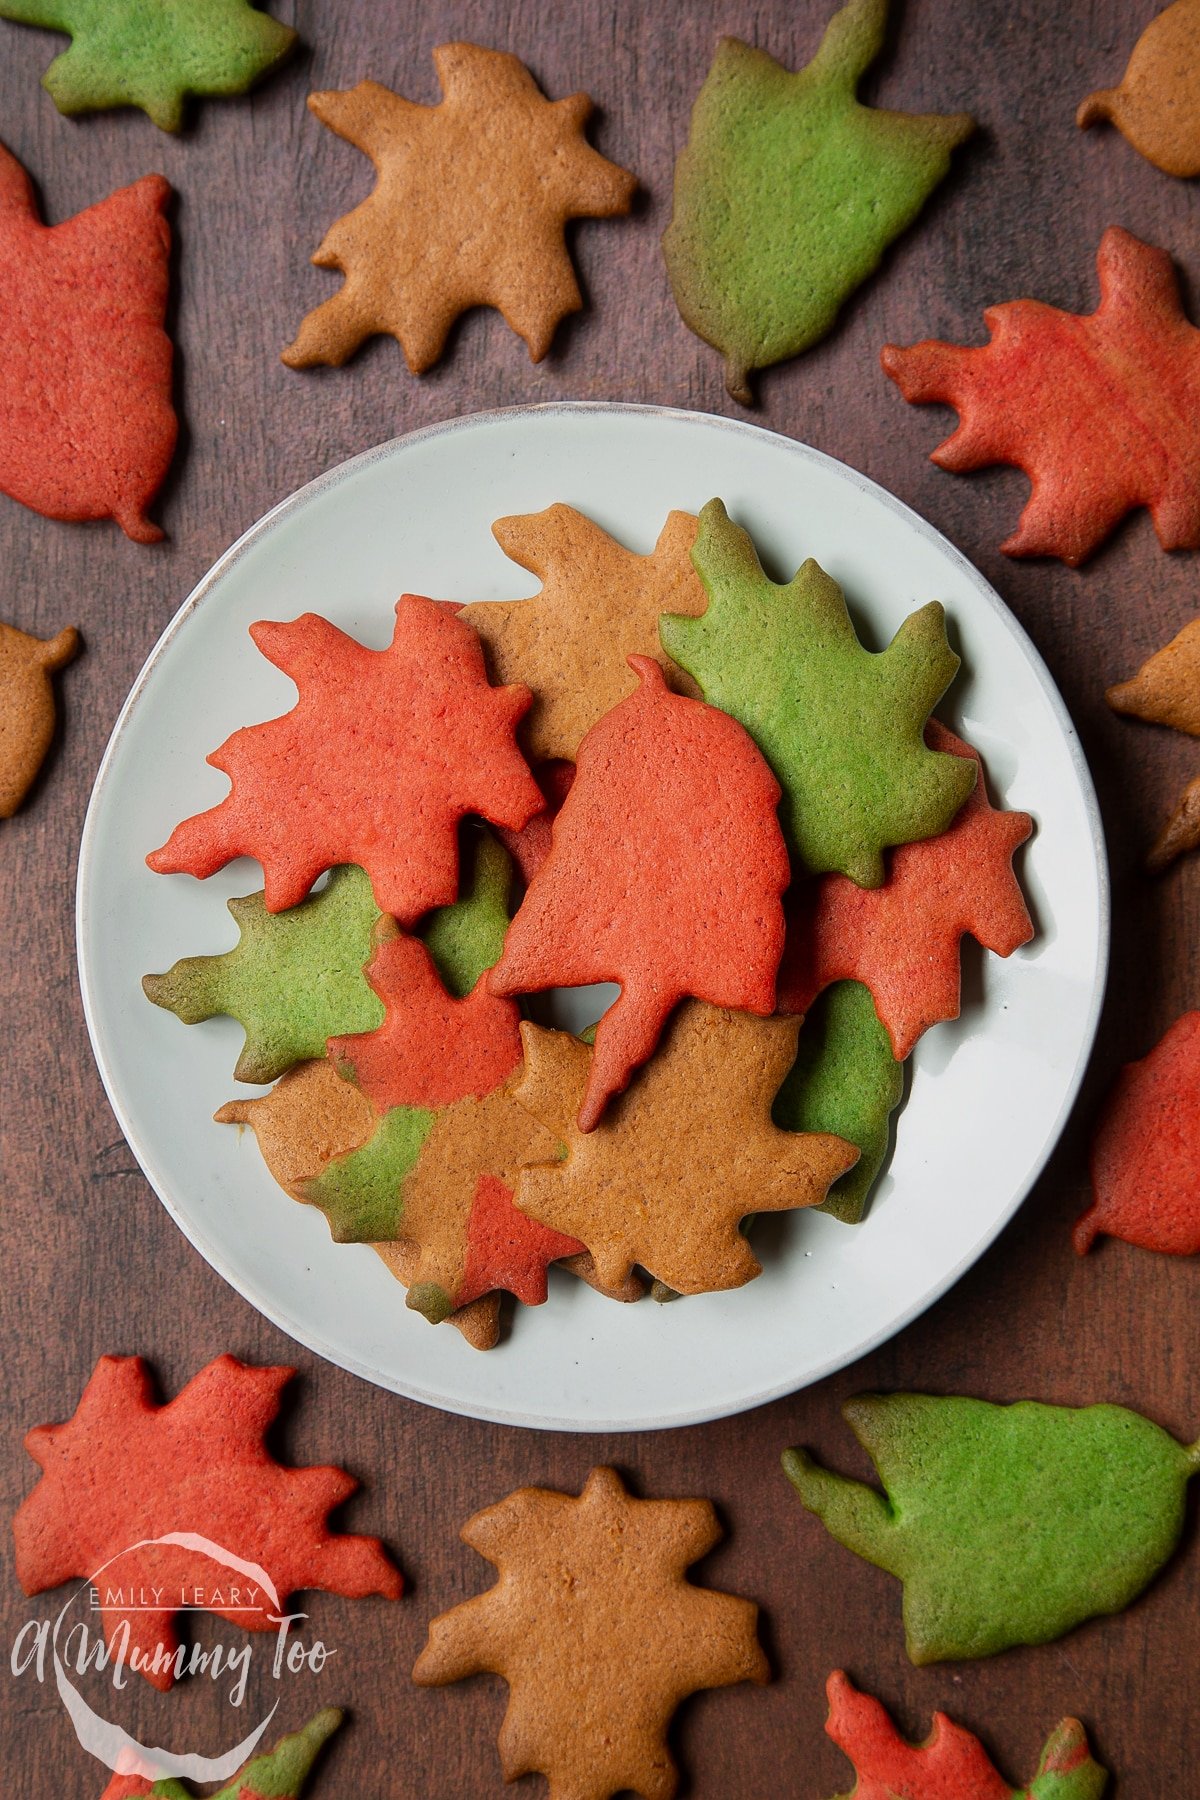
x,y
92,1261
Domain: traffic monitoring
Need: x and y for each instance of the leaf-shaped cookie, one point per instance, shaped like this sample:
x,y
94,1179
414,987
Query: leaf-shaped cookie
x,y
902,939
1166,691
311,1117
597,1631
679,1159
279,1775
664,874
87,429
292,980
469,209
1146,1151
1006,1524
125,53
840,726
599,605
950,1764
125,1469
789,191
27,714
844,1080
1097,409
466,937
382,755
1157,105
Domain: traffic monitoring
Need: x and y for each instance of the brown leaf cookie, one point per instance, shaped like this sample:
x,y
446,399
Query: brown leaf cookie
x,y
597,1631
599,604
469,210
308,1118
1157,105
682,1156
27,706
1166,691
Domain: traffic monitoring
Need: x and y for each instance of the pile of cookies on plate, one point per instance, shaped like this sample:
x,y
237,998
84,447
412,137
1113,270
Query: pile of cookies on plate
x,y
663,771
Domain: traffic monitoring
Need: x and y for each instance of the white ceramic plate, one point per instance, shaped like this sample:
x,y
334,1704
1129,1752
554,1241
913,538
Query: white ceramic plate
x,y
989,1094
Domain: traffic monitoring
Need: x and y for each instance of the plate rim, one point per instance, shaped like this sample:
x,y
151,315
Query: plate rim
x,y
334,477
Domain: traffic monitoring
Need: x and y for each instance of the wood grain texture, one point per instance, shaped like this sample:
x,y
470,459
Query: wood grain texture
x,y
92,1261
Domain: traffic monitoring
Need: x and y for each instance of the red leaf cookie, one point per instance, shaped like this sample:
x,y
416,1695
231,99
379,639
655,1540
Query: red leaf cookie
x,y
902,939
126,1469
951,1764
382,755
431,1048
665,873
1146,1152
87,429
1098,410
530,846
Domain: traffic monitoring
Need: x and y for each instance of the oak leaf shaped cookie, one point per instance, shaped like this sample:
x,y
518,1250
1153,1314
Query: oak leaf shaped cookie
x,y
682,1157
599,605
469,209
1006,1524
87,429
312,1117
292,980
840,726
1146,1151
902,940
125,1473
382,755
665,874
279,1775
789,191
846,1081
1157,105
125,53
1166,691
597,1631
27,713
951,1764
1096,408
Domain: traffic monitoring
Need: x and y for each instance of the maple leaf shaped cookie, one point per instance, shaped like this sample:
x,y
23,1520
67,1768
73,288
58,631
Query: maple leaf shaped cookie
x,y
789,191
469,210
1157,105
430,742
312,1117
597,1631
951,1764
279,1775
841,727
599,605
27,714
1096,409
126,1470
1146,1152
292,980
682,1157
1166,691
902,939
125,53
1006,1524
665,874
87,429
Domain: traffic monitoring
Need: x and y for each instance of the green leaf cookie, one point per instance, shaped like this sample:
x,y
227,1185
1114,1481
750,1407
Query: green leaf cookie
x,y
151,53
844,1080
788,192
1006,1524
292,980
467,937
280,1775
362,1194
841,727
